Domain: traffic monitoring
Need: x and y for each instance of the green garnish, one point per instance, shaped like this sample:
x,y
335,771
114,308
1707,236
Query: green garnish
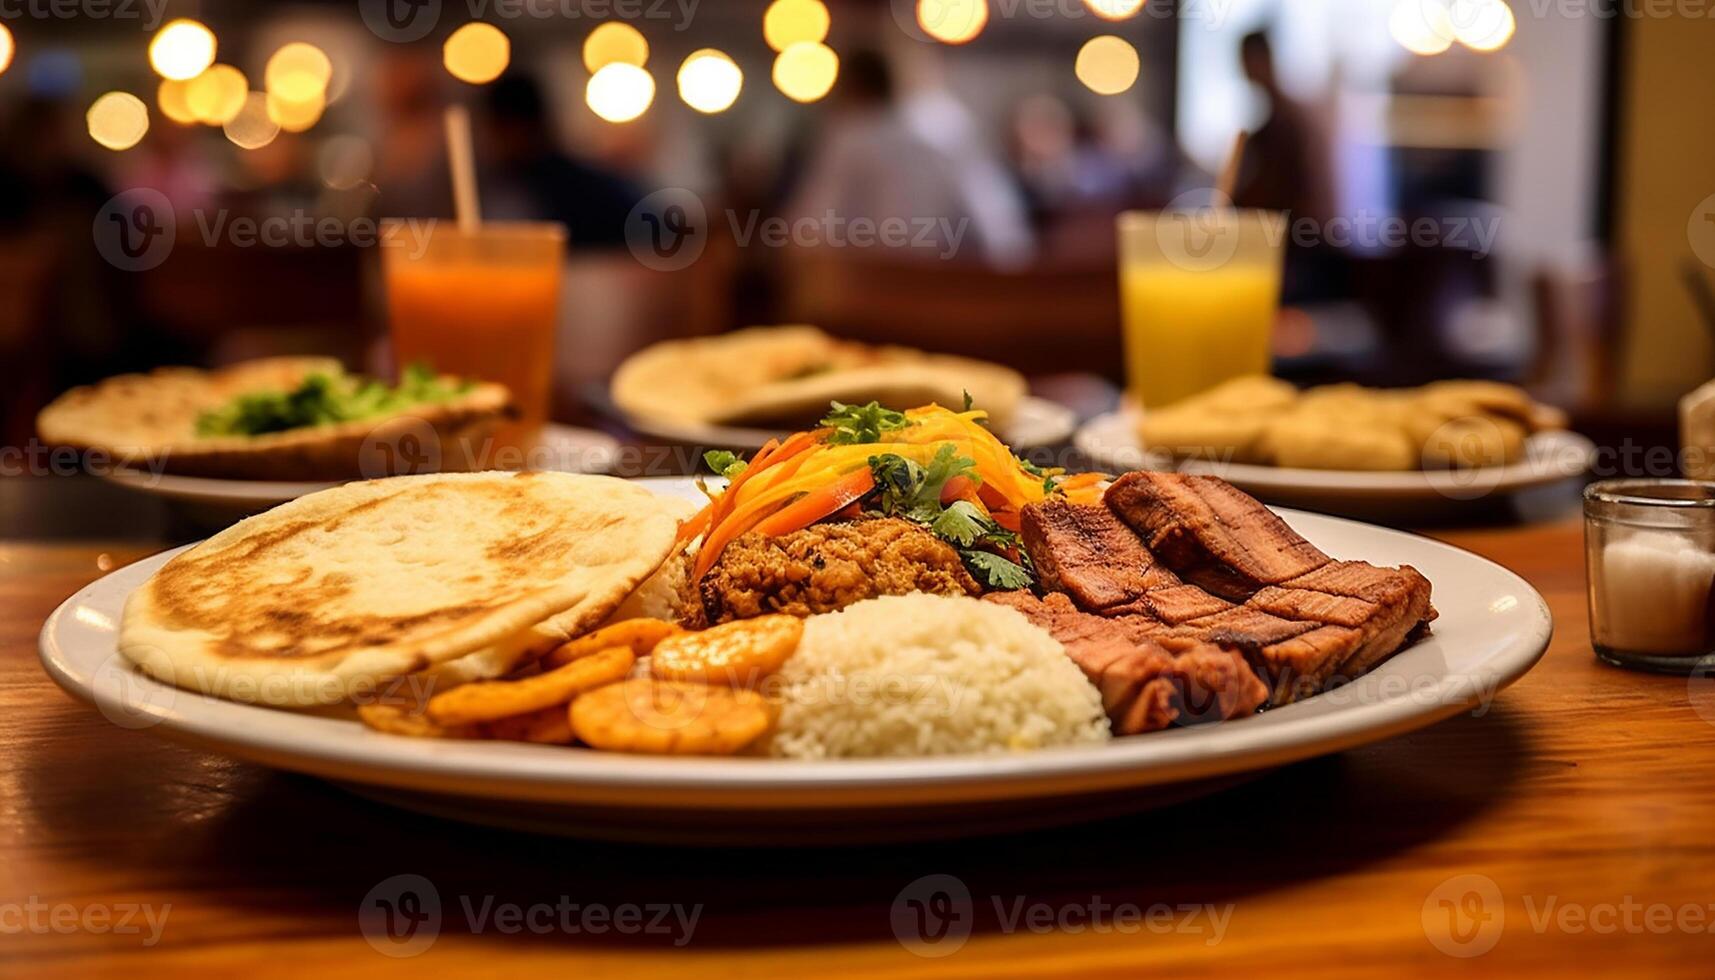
x,y
861,424
996,571
326,399
913,492
724,463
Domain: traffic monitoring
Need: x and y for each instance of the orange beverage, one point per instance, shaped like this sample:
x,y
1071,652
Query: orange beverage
x,y
481,305
1199,292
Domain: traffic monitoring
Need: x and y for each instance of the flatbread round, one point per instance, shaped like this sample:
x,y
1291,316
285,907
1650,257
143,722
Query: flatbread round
x,y
329,596
786,376
149,420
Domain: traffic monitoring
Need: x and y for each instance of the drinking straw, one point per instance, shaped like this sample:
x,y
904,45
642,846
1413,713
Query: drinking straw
x,y
463,159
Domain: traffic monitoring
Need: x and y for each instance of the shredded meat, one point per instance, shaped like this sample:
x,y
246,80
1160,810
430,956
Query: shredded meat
x,y
826,567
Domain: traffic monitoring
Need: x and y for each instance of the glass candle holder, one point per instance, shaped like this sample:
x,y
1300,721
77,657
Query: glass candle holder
x,y
1649,549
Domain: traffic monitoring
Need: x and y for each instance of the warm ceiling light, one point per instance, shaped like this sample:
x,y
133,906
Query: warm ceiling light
x,y
952,21
118,120
1422,27
182,49
298,72
252,129
806,71
7,48
171,99
1114,9
296,115
620,92
1483,25
615,42
1107,65
217,95
709,81
789,22
477,53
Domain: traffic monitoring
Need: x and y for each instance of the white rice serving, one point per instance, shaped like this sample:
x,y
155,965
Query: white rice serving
x,y
930,675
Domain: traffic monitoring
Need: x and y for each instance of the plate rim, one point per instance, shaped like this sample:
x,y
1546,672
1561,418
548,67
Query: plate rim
x,y
1511,478
499,771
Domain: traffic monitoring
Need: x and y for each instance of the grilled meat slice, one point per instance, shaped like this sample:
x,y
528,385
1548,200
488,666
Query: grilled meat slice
x,y
1307,663
1173,605
1087,552
1211,533
1304,621
1400,597
1145,685
826,567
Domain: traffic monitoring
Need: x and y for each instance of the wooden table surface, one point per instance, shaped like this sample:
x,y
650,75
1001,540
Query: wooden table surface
x,y
1583,799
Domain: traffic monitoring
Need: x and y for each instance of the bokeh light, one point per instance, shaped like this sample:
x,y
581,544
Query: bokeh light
x,y
251,128
1423,27
615,43
7,48
1114,9
217,95
298,72
806,71
789,22
477,53
709,81
296,115
620,92
118,120
1483,25
952,21
172,98
344,162
1107,65
182,49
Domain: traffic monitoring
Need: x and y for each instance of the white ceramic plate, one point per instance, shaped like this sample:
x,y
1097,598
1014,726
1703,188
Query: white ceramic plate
x,y
564,448
1493,628
1037,422
1111,441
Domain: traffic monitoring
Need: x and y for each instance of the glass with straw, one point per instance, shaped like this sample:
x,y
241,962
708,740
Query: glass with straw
x,y
480,300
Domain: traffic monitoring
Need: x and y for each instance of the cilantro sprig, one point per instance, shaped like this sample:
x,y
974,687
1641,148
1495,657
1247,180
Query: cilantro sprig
x,y
913,491
724,463
854,425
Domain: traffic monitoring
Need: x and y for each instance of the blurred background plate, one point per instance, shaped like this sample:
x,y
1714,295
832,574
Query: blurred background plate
x,y
212,503
1111,442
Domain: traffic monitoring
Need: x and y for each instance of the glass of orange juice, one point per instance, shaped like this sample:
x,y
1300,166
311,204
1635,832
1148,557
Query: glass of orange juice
x,y
480,304
1199,291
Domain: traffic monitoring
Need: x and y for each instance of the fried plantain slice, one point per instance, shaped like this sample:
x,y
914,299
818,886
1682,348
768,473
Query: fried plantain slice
x,y
492,700
669,717
640,635
739,654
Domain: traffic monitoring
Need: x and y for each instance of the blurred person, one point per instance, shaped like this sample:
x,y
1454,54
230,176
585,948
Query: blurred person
x,y
916,159
1285,164
410,169
527,176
